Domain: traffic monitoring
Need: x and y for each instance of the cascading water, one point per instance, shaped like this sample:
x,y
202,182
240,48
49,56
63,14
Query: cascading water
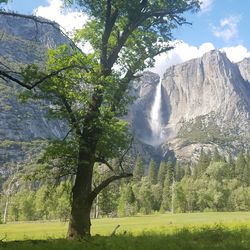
x,y
156,116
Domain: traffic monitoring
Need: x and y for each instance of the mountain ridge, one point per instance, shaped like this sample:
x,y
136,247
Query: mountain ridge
x,y
209,95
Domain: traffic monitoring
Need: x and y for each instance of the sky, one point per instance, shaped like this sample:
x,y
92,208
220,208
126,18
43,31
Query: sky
x,y
220,24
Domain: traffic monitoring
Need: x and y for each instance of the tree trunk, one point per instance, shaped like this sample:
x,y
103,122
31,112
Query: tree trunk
x,y
83,197
79,224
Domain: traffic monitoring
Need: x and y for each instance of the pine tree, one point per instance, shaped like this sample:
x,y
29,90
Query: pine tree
x,y
202,164
246,171
152,172
162,173
139,169
170,171
167,194
179,171
240,165
231,164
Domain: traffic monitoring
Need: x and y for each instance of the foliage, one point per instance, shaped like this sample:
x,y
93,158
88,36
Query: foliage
x,y
138,171
217,188
162,173
152,172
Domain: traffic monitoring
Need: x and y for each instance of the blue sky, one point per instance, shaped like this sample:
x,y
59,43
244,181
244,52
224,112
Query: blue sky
x,y
221,24
206,22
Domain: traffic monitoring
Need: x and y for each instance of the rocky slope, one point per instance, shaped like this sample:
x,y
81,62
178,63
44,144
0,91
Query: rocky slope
x,y
205,103
25,127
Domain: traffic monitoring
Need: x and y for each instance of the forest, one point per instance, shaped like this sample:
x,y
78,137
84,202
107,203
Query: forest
x,y
211,184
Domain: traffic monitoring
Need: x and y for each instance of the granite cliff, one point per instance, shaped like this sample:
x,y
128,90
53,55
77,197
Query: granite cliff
x,y
25,127
204,102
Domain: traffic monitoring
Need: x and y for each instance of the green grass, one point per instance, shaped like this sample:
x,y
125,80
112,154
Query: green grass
x,y
204,238
229,231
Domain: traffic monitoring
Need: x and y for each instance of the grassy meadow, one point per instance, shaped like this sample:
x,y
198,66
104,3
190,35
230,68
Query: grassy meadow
x,y
159,231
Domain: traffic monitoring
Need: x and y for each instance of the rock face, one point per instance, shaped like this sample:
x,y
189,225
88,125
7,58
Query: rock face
x,y
25,127
205,103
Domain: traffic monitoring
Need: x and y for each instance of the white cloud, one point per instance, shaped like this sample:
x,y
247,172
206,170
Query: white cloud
x,y
184,52
181,53
237,53
228,28
206,5
68,19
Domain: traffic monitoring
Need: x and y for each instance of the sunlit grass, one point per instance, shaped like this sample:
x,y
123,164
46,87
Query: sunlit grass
x,y
157,223
215,237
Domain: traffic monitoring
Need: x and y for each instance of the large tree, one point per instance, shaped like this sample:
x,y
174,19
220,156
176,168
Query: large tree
x,y
91,91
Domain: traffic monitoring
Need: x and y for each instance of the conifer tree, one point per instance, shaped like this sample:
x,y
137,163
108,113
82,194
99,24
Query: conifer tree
x,y
152,172
202,164
179,171
138,169
240,165
162,173
167,194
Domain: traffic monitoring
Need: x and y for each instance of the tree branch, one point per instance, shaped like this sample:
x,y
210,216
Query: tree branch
x,y
141,17
102,160
71,114
41,80
106,182
109,24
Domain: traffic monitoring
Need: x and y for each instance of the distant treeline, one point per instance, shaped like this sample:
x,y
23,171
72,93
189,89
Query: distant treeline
x,y
212,184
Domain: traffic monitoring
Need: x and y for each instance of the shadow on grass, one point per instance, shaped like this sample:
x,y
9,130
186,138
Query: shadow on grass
x,y
215,237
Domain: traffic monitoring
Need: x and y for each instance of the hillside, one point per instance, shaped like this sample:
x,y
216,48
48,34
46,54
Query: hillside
x,y
24,127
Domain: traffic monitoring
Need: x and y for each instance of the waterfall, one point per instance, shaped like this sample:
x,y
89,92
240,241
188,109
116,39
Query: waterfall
x,y
156,116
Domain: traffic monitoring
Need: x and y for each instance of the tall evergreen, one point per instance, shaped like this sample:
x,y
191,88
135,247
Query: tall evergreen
x,y
162,173
179,171
152,172
246,171
240,165
170,171
167,193
138,169
231,165
202,164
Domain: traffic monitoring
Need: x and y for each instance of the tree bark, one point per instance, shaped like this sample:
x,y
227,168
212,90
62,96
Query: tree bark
x,y
79,224
83,195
